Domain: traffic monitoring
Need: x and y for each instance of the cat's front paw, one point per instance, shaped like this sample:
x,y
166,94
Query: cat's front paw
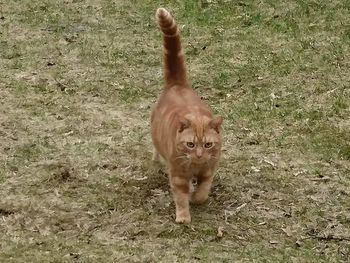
x,y
183,218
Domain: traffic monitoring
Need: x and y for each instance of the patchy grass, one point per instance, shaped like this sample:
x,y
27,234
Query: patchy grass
x,y
77,181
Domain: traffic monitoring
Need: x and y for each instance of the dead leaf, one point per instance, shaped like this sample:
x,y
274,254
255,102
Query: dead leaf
x,y
220,231
255,169
287,231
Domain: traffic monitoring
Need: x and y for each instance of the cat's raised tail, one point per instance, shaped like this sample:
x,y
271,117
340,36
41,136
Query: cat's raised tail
x,y
174,59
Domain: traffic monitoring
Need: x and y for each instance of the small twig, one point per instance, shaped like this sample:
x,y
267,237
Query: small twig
x,y
229,213
331,237
270,162
321,179
331,91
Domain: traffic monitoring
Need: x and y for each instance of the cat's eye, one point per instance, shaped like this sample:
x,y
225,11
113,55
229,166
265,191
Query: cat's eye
x,y
208,145
190,145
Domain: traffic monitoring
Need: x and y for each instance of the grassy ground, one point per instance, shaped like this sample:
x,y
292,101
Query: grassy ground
x,y
78,79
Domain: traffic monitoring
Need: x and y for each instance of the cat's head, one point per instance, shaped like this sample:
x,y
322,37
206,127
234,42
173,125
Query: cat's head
x,y
198,139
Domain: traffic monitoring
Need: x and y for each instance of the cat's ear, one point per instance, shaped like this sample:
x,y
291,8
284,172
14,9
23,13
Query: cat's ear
x,y
215,123
183,123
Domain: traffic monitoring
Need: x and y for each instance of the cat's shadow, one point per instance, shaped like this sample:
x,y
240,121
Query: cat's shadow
x,y
154,196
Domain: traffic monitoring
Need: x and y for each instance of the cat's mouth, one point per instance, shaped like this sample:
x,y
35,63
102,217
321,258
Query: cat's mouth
x,y
198,160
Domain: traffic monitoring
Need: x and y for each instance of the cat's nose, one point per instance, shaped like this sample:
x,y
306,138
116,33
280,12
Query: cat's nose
x,y
199,152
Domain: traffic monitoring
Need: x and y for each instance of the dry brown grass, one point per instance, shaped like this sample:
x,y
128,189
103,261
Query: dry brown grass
x,y
78,80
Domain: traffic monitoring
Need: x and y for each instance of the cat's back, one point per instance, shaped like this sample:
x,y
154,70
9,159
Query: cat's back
x,y
179,96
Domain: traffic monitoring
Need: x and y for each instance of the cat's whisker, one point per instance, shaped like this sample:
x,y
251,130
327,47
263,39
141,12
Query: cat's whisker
x,y
181,157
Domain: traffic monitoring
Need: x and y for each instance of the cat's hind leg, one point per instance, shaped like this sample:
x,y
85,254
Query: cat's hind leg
x,y
201,193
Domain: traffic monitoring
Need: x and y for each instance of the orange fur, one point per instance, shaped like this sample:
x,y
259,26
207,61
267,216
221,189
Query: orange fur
x,y
184,132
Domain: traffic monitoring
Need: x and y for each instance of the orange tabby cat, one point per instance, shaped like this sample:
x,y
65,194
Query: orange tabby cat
x,y
184,132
